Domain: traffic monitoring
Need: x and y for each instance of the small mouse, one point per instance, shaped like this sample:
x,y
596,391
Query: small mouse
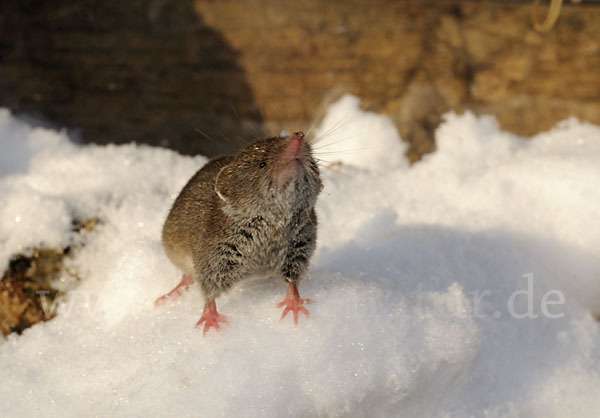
x,y
253,213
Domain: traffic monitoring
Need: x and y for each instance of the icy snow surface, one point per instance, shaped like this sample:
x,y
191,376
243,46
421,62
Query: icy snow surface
x,y
426,282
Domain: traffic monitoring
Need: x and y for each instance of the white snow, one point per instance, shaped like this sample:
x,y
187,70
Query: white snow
x,y
463,285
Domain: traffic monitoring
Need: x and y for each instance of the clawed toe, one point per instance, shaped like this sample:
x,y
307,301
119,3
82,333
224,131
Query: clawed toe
x,y
211,318
293,303
184,285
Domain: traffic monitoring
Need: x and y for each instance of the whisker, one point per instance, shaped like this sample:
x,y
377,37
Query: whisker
x,y
331,130
341,121
344,151
330,162
316,119
204,134
339,140
234,147
337,170
225,138
279,114
240,120
244,141
260,109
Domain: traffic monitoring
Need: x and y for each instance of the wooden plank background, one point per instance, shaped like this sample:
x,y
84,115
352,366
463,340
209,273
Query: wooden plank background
x,y
159,71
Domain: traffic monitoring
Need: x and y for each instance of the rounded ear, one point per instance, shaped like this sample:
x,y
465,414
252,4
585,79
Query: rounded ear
x,y
220,188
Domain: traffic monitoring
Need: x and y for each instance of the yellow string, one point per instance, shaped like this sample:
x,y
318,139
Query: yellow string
x,y
551,18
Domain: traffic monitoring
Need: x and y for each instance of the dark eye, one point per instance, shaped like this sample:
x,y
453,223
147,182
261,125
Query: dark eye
x,y
262,165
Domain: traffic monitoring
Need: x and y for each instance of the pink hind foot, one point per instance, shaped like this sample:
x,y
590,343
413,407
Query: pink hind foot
x,y
185,283
293,303
211,317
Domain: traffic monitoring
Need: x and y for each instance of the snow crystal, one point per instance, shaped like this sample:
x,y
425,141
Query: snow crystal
x,y
437,286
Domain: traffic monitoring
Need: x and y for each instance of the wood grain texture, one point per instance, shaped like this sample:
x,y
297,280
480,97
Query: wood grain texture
x,y
415,60
157,71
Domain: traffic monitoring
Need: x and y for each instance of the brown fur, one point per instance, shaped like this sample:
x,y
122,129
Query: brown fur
x,y
235,218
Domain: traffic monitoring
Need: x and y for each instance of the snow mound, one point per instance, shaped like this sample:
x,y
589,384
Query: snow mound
x,y
461,286
363,139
